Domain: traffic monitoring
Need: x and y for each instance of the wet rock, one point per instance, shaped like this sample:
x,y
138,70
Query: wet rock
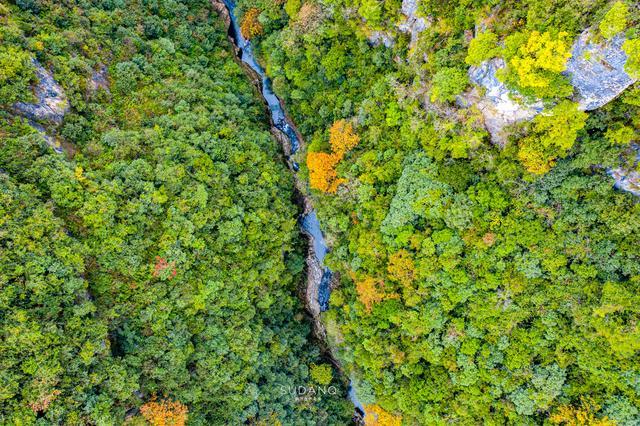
x,y
626,180
500,106
52,103
596,70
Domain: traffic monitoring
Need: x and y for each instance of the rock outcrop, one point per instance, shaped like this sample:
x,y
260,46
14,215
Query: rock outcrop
x,y
499,105
378,37
596,70
626,180
413,24
50,140
99,80
52,103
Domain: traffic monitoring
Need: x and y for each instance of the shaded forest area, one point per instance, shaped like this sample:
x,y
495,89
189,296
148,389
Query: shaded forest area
x,y
149,271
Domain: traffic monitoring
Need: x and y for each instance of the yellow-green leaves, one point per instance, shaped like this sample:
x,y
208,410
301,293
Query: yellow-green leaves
x,y
540,58
615,20
552,137
484,46
632,49
16,74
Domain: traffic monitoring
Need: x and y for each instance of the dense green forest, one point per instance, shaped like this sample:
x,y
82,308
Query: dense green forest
x,y
472,171
149,272
481,283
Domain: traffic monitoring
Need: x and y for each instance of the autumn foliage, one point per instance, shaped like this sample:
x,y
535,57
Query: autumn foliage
x,y
322,166
250,26
370,291
580,416
164,413
376,416
322,171
342,138
44,401
164,269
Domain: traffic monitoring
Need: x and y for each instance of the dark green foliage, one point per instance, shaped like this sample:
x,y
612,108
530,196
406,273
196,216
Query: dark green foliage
x,y
498,297
160,255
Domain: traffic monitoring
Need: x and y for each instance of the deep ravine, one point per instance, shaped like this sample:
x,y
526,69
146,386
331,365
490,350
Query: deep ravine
x,y
320,279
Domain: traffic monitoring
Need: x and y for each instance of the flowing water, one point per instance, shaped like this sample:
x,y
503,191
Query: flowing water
x,y
309,222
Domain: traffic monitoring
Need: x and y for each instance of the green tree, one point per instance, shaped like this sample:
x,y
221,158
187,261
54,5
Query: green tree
x,y
447,83
484,46
615,20
552,135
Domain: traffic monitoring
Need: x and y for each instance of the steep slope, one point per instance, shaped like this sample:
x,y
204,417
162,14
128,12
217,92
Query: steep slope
x,y
150,269
478,283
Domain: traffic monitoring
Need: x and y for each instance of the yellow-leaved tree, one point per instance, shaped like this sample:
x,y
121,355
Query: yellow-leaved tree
x,y
165,413
536,61
250,27
322,166
376,416
584,415
552,135
342,138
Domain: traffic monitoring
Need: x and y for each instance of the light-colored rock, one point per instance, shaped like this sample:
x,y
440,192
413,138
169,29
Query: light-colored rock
x,y
99,79
378,37
52,103
596,70
499,106
413,24
626,180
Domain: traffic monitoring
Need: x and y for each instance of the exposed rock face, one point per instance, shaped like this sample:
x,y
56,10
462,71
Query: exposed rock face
x,y
626,180
50,140
597,71
52,103
99,79
500,106
378,37
413,24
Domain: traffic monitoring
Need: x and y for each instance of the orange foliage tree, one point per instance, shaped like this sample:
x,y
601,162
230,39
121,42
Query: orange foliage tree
x,y
376,416
370,291
165,413
322,166
342,138
164,269
250,26
322,171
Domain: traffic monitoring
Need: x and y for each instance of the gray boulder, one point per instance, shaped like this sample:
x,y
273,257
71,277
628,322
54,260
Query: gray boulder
x,y
626,180
500,106
52,103
412,24
596,70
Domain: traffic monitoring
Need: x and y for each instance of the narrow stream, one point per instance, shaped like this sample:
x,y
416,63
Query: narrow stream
x,y
309,222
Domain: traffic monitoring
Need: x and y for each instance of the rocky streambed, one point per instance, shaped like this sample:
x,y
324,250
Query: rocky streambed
x,y
320,279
